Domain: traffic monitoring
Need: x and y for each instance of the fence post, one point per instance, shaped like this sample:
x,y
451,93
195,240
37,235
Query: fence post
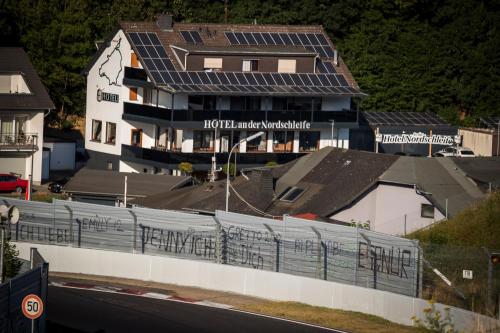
x,y
134,216
374,255
17,230
277,241
79,239
318,257
143,239
490,282
220,242
70,223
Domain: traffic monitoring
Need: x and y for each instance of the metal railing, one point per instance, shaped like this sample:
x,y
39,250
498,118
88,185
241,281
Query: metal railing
x,y
150,111
293,246
34,281
160,155
15,140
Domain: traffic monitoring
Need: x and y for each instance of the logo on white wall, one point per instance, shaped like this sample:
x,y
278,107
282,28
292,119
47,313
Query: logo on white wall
x,y
108,69
416,138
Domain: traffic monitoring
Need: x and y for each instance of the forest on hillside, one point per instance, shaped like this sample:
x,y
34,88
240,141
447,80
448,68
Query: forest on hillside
x,y
441,56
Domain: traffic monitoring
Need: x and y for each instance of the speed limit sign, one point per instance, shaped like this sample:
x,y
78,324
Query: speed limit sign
x,y
32,306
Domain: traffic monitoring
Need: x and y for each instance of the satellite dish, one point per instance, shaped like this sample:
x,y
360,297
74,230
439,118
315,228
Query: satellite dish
x,y
14,215
9,213
4,210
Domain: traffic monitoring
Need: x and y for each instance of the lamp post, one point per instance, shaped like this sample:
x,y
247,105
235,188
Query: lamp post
x,y
250,138
333,125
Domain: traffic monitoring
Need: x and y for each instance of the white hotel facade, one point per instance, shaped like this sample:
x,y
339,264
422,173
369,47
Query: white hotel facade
x,y
159,94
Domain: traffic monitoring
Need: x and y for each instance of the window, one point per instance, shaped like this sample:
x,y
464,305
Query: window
x,y
133,94
200,102
283,141
308,141
212,64
293,194
427,211
136,138
287,65
134,62
296,104
203,140
245,103
110,133
258,144
251,65
146,98
96,130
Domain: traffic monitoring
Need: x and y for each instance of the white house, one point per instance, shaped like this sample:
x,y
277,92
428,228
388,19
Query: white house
x,y
160,93
23,104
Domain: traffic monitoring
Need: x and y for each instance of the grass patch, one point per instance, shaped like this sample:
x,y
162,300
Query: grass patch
x,y
344,320
476,226
41,196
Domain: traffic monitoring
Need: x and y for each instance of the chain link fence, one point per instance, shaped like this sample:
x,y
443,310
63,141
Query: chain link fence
x,y
479,292
295,246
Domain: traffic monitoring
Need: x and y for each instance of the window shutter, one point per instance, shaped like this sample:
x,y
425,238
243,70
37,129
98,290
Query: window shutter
x,y
134,62
133,94
213,63
287,65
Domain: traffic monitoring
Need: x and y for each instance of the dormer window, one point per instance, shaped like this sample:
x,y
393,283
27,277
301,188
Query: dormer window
x,y
287,65
251,65
13,84
212,64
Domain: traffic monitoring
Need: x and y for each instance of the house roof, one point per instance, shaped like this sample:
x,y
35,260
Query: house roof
x,y
427,119
111,183
156,49
437,179
482,170
333,179
14,60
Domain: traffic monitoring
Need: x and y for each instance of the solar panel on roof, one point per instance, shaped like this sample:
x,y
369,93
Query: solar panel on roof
x,y
241,78
305,79
269,79
277,39
303,39
241,39
232,78
296,80
159,64
249,37
166,77
176,77
329,51
312,38
204,78
223,78
196,36
231,38
259,39
135,38
323,79
286,39
288,79
321,38
156,76
331,69
267,38
185,77
154,38
260,79
187,37
278,79
213,78
251,79
150,64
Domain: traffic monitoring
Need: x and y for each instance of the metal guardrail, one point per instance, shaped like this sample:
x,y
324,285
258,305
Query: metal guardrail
x,y
293,246
34,281
18,140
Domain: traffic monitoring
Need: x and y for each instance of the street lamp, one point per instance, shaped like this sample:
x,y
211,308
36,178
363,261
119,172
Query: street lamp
x,y
250,138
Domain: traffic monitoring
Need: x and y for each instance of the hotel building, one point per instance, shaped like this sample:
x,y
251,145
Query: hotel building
x,y
160,93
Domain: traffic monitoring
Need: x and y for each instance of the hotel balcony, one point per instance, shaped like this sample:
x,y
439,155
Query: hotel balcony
x,y
18,142
169,159
196,118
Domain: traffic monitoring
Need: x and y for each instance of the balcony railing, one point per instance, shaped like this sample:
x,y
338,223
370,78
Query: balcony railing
x,y
133,153
18,141
239,115
135,74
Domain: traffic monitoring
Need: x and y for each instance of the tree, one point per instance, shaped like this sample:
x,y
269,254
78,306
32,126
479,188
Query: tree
x,y
11,263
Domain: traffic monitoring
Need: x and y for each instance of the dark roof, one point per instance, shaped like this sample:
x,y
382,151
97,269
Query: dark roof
x,y
245,49
13,60
211,196
334,179
334,79
490,122
483,170
438,178
427,119
103,182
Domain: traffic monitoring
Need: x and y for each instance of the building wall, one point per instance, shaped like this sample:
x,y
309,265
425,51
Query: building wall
x,y
62,155
104,110
482,142
267,64
385,208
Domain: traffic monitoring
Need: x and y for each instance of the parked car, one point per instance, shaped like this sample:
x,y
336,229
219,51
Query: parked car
x,y
55,188
453,151
12,182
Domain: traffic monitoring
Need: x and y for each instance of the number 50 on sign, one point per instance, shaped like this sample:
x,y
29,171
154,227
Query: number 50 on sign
x,y
32,306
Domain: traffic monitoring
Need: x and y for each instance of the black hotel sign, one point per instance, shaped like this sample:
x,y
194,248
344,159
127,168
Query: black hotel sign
x,y
107,97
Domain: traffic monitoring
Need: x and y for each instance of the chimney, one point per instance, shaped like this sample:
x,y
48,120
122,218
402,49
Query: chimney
x,y
164,21
335,57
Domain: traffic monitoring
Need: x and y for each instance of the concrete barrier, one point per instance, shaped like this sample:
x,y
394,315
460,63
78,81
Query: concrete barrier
x,y
269,285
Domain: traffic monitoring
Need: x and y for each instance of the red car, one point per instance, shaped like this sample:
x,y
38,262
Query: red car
x,y
10,183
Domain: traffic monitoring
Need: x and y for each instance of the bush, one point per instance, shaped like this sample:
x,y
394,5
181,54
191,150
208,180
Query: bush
x,y
186,168
232,169
11,264
271,164
67,125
